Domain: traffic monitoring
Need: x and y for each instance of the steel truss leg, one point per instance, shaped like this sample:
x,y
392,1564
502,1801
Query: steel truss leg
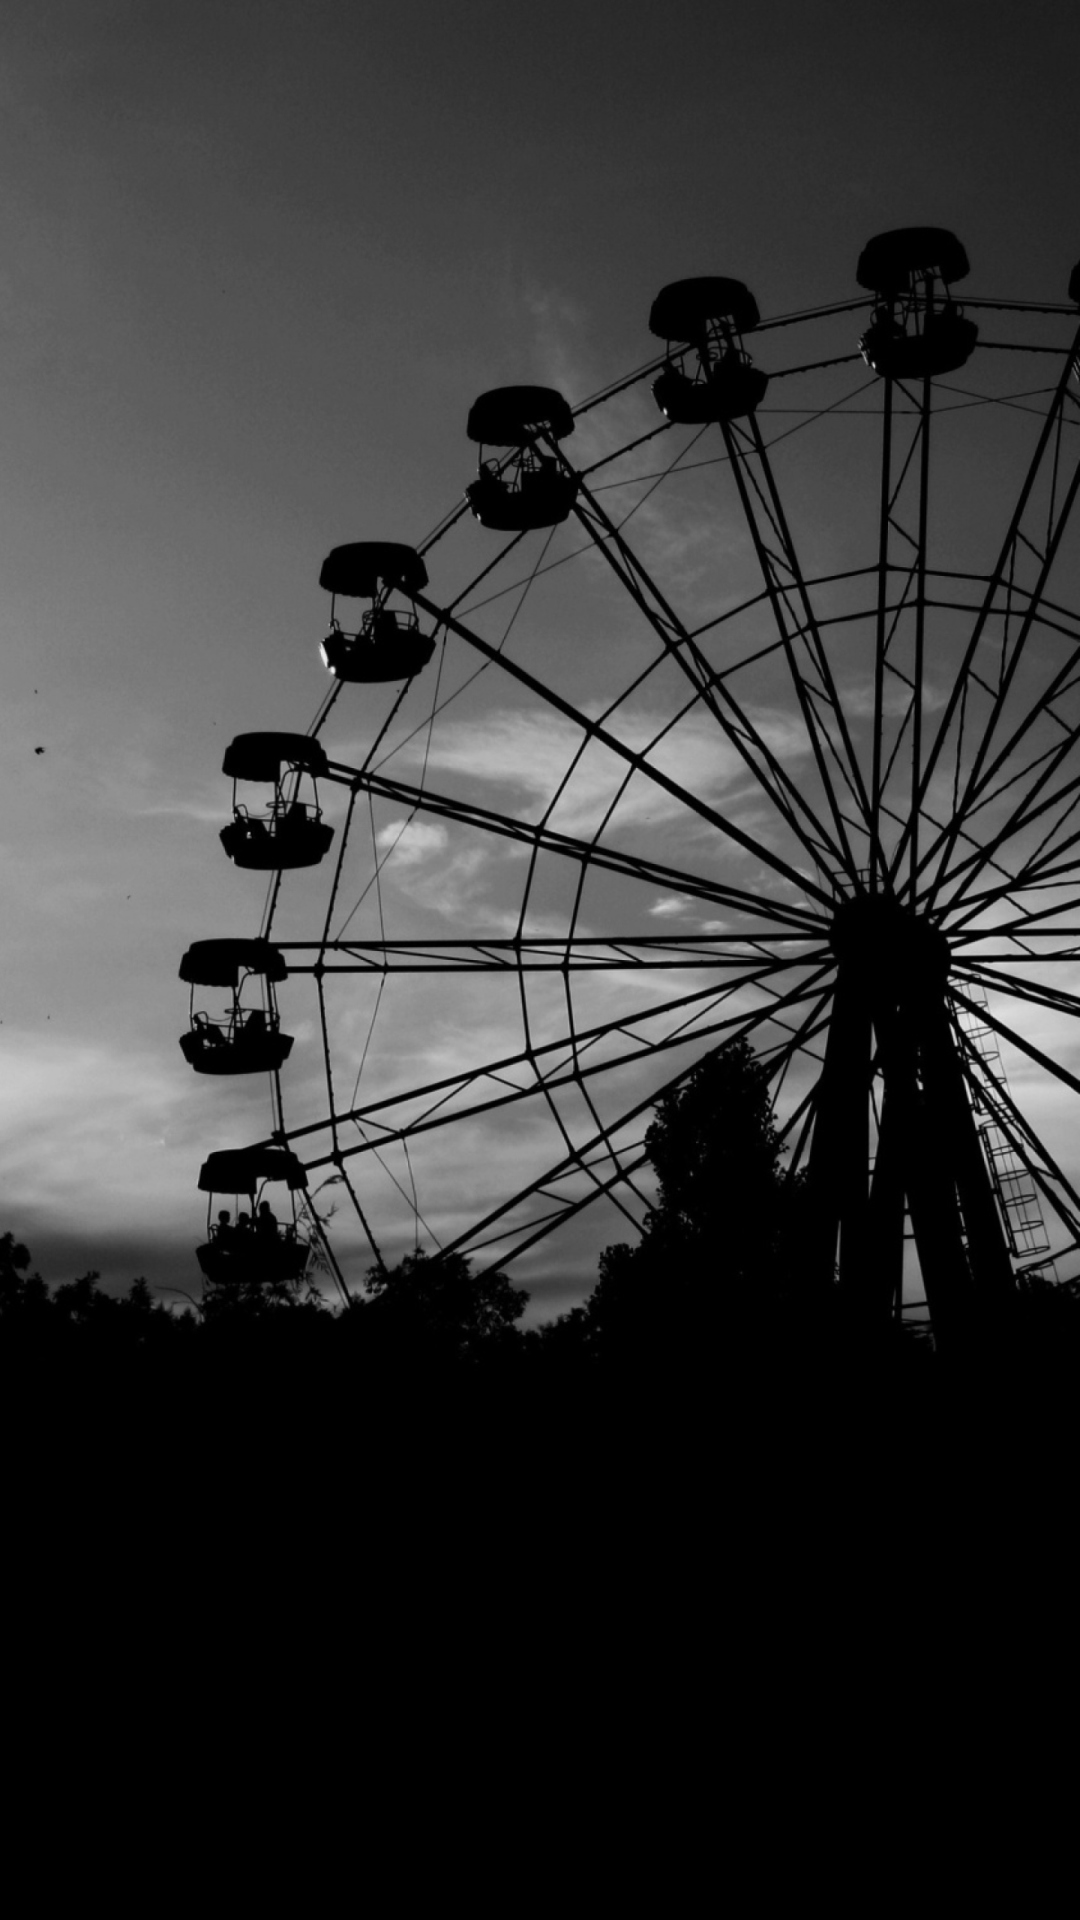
x,y
840,1150
893,1022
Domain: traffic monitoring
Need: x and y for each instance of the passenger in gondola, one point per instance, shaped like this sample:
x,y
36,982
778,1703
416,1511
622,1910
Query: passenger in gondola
x,y
243,1225
382,624
255,1025
223,1230
266,1225
885,325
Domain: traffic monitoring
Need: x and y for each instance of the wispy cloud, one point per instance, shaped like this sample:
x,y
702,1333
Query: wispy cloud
x,y
544,760
412,841
421,862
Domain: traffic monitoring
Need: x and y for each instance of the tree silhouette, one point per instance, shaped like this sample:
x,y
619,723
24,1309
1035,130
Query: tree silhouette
x,y
716,1247
24,1297
435,1308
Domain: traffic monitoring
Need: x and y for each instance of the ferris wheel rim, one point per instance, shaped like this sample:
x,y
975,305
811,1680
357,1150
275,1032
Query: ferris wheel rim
x,y
823,901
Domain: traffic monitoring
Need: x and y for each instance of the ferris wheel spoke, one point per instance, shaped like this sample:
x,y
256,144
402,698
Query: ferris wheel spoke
x,y
500,1071
799,1043
818,849
1028,807
1025,924
800,1120
1011,548
784,581
956,883
680,645
694,1025
577,1045
563,1207
1054,1067
984,767
547,839
1032,775
569,1168
580,953
605,738
1036,862
993,978
1038,771
1028,883
900,624
1041,868
982,792
847,761
777,1059
593,1110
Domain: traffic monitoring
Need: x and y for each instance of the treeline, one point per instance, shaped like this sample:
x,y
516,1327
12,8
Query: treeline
x,y
714,1289
715,1260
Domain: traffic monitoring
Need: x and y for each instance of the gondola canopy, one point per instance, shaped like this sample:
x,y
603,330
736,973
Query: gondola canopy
x,y
221,963
365,568
261,756
242,1169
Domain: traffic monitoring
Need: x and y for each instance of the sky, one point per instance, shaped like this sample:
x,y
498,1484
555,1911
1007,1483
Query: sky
x,y
255,266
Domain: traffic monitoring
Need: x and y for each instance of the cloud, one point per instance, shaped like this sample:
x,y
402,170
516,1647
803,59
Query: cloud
x,y
85,1128
857,698
420,863
560,773
411,841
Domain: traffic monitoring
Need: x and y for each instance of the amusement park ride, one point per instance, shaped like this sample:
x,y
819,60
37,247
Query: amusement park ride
x,y
800,637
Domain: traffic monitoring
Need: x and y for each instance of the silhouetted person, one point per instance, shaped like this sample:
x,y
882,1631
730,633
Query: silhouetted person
x,y
383,625
243,1224
223,1230
266,1225
539,477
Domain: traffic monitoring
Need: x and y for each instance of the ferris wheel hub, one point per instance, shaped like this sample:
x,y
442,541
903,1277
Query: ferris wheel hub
x,y
881,939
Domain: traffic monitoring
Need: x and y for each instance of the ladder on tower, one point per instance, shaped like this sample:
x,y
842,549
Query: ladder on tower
x,y
1016,1191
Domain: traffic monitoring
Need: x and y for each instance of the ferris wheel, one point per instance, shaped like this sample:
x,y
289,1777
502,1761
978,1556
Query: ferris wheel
x,y
739,700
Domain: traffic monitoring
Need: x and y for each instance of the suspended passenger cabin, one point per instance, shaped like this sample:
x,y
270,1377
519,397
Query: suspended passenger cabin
x,y
917,331
253,1251
291,832
240,1038
704,320
388,643
527,488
